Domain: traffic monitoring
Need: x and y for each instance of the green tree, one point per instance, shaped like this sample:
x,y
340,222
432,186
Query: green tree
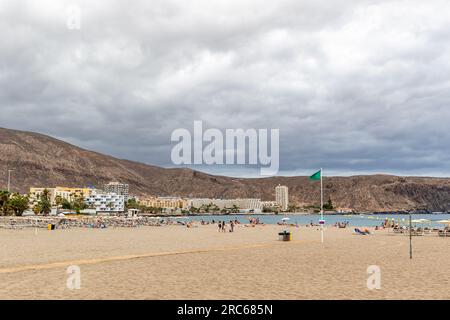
x,y
19,204
4,201
66,204
44,205
79,204
270,209
235,209
328,205
194,210
58,201
132,204
110,205
36,209
215,208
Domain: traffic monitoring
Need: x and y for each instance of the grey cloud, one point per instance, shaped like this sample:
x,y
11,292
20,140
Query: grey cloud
x,y
353,86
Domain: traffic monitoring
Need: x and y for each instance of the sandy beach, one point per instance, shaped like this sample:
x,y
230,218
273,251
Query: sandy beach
x,y
175,262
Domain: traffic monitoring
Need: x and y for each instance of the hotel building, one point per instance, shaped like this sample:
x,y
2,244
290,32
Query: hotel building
x,y
282,197
106,203
66,193
165,202
243,204
117,188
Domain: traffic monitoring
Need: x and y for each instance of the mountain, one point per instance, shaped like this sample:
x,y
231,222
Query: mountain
x,y
40,160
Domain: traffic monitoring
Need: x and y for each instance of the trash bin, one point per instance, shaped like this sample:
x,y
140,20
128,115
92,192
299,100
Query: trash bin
x,y
51,226
285,236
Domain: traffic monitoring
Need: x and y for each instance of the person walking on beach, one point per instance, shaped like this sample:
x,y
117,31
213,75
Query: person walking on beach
x,y
220,226
223,226
231,226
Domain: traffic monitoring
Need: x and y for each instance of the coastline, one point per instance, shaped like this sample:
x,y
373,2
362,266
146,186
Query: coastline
x,y
98,221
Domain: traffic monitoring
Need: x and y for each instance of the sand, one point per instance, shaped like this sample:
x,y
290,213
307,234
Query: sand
x,y
174,262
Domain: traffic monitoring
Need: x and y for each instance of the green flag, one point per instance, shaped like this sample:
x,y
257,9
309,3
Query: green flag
x,y
316,176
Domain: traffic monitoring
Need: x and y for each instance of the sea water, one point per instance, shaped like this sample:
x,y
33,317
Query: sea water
x,y
362,220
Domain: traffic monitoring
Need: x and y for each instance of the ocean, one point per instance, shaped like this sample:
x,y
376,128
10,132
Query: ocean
x,y
368,220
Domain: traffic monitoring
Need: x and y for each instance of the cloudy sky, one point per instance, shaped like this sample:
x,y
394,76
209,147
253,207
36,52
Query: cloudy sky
x,y
354,86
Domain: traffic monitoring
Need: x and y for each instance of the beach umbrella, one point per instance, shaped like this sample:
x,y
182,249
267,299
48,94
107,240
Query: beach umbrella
x,y
421,221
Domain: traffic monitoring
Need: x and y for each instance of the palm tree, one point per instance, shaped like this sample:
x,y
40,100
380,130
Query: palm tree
x,y
110,206
44,204
58,202
45,194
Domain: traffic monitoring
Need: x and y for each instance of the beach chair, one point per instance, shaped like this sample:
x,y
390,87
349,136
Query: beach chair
x,y
359,232
416,232
442,233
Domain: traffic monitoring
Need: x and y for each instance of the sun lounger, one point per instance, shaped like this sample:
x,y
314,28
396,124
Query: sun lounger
x,y
360,232
416,232
443,233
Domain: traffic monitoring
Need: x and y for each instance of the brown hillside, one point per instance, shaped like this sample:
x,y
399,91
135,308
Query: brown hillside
x,y
39,160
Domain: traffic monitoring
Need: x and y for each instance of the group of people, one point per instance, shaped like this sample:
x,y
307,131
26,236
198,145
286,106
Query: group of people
x,y
312,224
341,225
254,221
223,227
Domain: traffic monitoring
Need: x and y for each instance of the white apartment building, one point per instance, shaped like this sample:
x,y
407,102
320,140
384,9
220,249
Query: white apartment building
x,y
268,204
282,197
118,188
106,203
244,204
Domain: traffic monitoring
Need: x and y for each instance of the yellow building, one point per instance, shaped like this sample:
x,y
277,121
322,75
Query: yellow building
x,y
164,202
35,194
69,194
73,193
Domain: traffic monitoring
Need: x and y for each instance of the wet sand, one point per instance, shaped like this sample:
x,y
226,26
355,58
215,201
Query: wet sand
x,y
175,262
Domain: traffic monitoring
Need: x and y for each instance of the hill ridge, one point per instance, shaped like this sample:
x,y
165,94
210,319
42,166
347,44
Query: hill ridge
x,y
41,160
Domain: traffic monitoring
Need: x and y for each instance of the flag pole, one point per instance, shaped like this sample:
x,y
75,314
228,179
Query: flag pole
x,y
321,205
410,237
